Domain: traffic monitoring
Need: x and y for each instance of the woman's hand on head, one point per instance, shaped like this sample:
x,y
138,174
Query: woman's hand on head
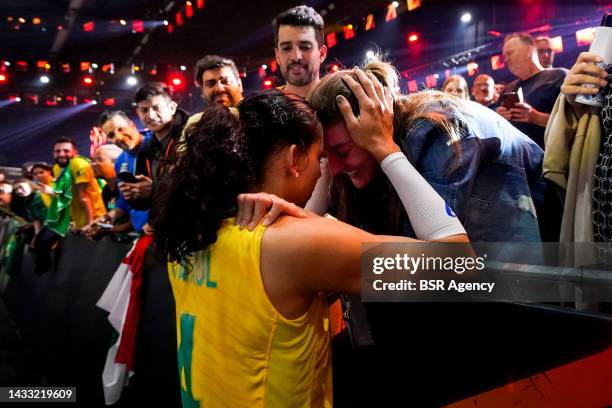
x,y
253,208
372,130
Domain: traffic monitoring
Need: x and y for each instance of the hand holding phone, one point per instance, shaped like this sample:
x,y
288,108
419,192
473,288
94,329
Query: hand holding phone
x,y
509,100
127,177
104,225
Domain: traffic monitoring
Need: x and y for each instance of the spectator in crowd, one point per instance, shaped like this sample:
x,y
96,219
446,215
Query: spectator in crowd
x,y
546,54
219,80
279,347
76,173
6,191
103,165
499,89
483,90
35,208
299,48
159,113
539,87
457,86
43,179
122,131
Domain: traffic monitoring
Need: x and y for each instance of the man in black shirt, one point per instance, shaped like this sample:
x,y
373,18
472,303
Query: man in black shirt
x,y
539,87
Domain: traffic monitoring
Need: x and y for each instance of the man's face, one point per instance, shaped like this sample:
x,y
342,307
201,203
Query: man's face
x,y
220,85
122,132
63,152
546,54
483,89
517,55
41,175
499,88
5,194
156,112
102,165
298,54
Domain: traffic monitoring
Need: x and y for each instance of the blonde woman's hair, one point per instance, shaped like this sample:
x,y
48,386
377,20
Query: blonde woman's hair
x,y
383,213
439,108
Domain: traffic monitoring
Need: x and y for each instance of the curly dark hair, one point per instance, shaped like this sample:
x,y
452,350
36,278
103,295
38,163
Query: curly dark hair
x,y
221,155
300,16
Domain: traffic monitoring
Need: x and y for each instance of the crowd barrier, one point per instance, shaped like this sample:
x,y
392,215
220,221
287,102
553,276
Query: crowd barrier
x,y
444,352
67,336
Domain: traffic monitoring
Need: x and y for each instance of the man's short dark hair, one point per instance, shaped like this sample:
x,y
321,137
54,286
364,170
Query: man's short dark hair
x,y
300,16
151,89
66,140
524,37
212,62
109,114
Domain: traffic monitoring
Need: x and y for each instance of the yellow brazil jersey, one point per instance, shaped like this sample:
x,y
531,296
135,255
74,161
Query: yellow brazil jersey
x,y
81,172
234,349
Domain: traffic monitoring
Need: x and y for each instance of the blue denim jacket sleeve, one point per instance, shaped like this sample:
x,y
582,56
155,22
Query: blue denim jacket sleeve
x,y
490,193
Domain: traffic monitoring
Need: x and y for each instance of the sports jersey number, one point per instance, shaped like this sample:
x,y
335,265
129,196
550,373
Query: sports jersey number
x,y
185,352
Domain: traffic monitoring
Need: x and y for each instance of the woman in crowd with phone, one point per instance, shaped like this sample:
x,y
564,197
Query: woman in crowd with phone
x,y
252,315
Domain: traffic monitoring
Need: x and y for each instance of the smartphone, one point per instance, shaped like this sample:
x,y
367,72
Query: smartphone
x,y
510,99
127,177
104,225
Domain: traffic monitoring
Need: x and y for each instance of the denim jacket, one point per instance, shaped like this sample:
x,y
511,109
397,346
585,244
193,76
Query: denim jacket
x,y
494,183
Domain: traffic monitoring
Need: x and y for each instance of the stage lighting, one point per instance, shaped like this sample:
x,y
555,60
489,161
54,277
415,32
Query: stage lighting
x,y
131,80
395,4
183,68
264,66
87,80
585,36
334,67
94,102
44,79
413,37
94,65
3,79
165,22
370,54
122,22
466,18
267,84
36,20
331,39
22,20
177,81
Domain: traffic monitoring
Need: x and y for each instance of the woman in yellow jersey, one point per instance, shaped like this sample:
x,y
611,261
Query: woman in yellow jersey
x,y
252,315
